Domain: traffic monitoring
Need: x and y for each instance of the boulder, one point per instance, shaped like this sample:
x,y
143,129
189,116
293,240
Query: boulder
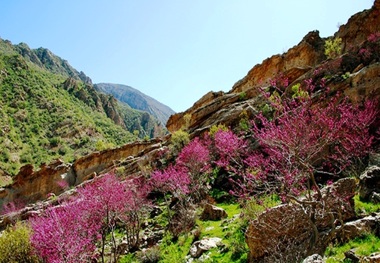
x,y
359,227
288,232
199,247
369,185
211,212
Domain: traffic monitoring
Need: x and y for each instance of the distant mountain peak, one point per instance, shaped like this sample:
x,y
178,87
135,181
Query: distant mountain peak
x,y
137,100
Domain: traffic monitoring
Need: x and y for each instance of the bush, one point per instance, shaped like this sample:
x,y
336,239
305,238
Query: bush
x,y
150,255
15,246
333,47
179,139
215,128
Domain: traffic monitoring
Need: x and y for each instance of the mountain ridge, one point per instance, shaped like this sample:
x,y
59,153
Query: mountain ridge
x,y
137,100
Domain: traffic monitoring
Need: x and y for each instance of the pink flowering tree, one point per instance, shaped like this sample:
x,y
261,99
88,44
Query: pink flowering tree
x,y
186,182
111,202
71,231
136,191
311,134
66,233
308,137
174,181
195,159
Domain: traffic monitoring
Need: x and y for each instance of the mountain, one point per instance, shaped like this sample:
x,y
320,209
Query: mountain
x,y
137,100
50,110
44,58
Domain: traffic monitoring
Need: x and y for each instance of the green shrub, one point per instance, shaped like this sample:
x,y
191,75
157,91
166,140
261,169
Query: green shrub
x,y
15,246
254,207
242,96
150,255
298,92
179,139
333,47
215,128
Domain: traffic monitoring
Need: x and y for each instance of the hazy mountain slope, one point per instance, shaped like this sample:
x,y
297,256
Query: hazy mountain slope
x,y
137,100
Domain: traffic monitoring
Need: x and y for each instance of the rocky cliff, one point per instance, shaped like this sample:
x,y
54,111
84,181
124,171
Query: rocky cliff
x,y
300,62
30,186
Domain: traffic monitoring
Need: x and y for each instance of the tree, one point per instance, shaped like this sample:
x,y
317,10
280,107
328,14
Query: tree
x,y
70,231
110,201
309,136
195,159
66,233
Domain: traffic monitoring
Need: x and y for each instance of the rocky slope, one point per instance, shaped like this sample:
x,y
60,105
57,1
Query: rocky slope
x,y
44,58
137,100
297,64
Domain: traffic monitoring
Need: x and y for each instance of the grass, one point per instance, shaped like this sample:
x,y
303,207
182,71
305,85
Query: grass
x,y
363,246
231,231
362,207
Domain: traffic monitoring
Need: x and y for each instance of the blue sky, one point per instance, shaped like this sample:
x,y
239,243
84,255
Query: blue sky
x,y
172,50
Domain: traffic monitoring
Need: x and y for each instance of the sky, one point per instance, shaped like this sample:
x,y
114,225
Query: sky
x,y
172,50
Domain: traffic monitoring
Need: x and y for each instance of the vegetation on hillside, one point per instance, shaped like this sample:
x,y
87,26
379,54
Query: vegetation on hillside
x,y
49,110
40,120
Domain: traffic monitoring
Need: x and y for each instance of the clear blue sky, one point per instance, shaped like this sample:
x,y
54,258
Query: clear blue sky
x,y
172,50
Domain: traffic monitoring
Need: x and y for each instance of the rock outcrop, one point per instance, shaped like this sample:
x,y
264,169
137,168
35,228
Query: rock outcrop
x,y
299,63
30,186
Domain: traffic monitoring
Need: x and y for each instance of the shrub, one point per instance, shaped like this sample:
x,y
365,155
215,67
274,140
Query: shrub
x,y
15,246
333,47
179,139
216,128
150,255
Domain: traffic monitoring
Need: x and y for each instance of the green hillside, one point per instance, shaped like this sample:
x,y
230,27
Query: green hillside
x,y
45,115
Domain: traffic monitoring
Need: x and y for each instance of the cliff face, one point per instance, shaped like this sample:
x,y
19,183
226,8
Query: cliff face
x,y
297,64
30,186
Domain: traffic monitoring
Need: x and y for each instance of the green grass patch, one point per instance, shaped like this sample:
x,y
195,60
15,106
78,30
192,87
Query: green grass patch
x,y
362,207
363,246
231,230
